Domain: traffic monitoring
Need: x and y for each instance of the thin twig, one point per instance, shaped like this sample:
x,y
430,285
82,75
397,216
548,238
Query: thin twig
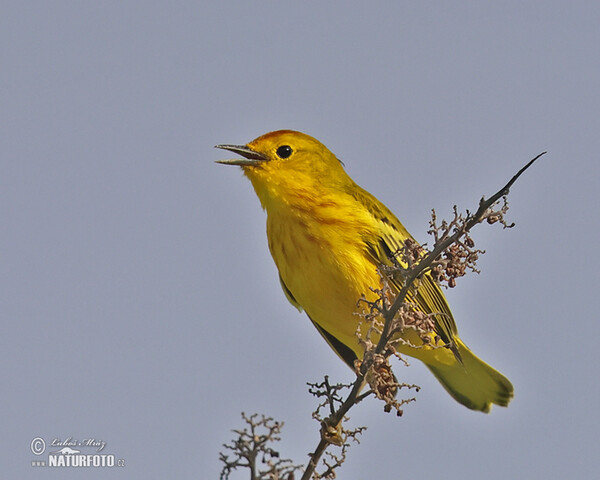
x,y
428,259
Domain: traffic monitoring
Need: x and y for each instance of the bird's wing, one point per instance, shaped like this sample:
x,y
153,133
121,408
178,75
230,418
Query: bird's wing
x,y
391,236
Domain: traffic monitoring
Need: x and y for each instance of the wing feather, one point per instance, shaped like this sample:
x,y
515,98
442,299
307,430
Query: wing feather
x,y
429,297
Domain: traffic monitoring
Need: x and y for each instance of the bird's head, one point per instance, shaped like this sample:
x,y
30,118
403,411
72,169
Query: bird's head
x,y
287,162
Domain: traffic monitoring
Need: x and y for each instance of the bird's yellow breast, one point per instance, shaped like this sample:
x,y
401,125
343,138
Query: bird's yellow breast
x,y
322,264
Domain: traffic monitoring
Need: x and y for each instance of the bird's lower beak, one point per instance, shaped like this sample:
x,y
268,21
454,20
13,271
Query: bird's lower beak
x,y
250,156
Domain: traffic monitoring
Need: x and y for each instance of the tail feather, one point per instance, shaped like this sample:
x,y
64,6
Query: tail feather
x,y
473,382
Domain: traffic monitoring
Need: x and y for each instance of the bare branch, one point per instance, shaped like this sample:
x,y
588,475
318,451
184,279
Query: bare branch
x,y
452,255
252,448
484,211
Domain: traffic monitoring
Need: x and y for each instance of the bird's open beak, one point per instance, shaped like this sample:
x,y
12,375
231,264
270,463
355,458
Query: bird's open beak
x,y
250,156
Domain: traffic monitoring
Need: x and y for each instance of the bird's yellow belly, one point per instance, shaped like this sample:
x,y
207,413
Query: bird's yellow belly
x,y
327,277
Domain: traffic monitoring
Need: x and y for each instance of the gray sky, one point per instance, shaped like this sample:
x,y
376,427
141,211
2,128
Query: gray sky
x,y
139,302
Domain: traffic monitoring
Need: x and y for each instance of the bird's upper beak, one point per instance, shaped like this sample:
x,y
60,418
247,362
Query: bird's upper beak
x,y
250,156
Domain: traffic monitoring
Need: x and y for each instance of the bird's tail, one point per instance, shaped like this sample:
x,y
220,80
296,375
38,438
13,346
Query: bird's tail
x,y
473,382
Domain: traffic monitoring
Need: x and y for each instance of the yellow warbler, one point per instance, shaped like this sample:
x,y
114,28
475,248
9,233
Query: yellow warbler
x,y
327,237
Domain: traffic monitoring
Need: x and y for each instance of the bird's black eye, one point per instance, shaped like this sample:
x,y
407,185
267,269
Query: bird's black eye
x,y
284,151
